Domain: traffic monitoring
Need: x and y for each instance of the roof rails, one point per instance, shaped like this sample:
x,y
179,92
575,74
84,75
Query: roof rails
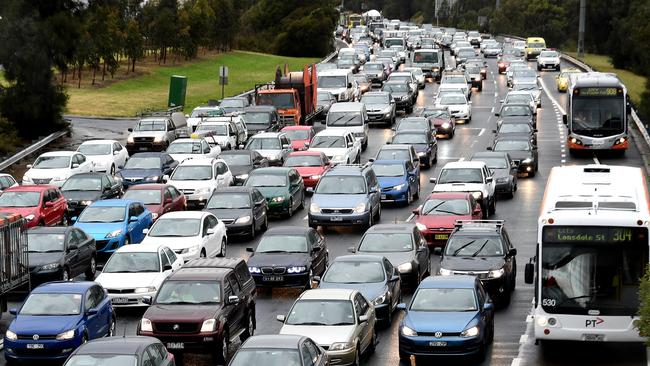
x,y
497,223
165,113
355,165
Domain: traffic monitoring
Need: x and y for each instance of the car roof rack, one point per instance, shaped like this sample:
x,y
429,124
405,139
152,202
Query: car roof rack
x,y
479,223
166,113
354,165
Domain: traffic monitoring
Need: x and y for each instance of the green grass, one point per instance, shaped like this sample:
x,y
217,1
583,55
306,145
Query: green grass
x,y
635,83
129,97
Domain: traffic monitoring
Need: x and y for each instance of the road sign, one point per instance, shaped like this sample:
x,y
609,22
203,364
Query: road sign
x,y
223,71
223,78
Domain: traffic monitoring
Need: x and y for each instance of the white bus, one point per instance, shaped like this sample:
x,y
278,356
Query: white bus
x,y
592,249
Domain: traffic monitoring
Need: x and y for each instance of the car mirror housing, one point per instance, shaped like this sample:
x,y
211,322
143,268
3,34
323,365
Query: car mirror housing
x,y
133,219
488,306
281,318
233,300
401,306
146,300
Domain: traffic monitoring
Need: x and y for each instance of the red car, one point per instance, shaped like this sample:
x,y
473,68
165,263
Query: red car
x,y
437,217
310,164
441,121
40,205
300,136
157,198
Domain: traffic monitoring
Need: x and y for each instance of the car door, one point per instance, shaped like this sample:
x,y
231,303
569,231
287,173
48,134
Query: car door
x,y
104,310
232,312
365,330
259,161
213,241
395,287
422,252
318,252
168,164
143,221
178,199
107,188
286,146
175,261
93,321
85,165
412,176
80,257
170,134
222,174
373,189
60,205
120,155
317,356
415,160
510,265
258,206
295,187
48,210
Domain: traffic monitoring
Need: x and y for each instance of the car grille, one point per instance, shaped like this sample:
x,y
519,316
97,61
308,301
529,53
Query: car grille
x,y
273,270
176,327
478,274
228,221
433,334
187,191
337,210
42,181
121,291
143,139
101,244
40,337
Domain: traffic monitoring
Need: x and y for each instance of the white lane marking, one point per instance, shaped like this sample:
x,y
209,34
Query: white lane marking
x,y
523,339
482,131
596,160
306,217
515,361
411,216
551,97
492,111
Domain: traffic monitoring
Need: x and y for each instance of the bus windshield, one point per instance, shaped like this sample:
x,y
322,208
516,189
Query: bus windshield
x,y
598,116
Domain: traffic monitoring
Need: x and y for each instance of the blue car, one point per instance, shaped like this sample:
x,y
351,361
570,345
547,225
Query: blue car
x,y
448,316
398,179
114,223
55,319
147,167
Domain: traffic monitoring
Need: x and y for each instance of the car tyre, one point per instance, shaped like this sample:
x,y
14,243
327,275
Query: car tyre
x,y
357,357
427,163
64,220
265,225
203,254
252,233
250,327
221,357
302,201
493,206
310,280
92,269
290,210
65,276
222,250
409,197
112,170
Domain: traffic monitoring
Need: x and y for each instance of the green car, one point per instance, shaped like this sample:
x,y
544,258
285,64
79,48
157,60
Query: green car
x,y
282,187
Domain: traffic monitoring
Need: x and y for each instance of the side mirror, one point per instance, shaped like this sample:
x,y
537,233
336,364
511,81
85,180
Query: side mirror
x,y
394,278
250,249
371,160
13,311
120,167
286,146
316,279
416,211
529,272
512,252
29,166
133,219
309,189
489,179
433,180
49,204
497,114
350,144
129,129
306,144
165,178
388,142
488,306
167,267
146,300
210,231
73,218
115,152
92,311
281,318
233,300
401,306
374,190
489,148
75,165
437,251
477,209
494,131
352,250
349,85
145,231
241,146
363,318
168,200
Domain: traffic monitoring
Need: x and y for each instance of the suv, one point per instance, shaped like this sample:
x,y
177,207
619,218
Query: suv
x,y
469,176
226,293
402,93
275,146
340,146
198,178
380,107
155,133
346,195
482,248
548,60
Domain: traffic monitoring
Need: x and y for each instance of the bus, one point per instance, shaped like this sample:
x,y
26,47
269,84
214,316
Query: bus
x,y
596,113
592,250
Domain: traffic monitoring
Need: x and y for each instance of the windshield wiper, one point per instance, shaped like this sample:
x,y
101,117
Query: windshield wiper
x,y
308,323
450,212
342,323
463,247
433,208
481,248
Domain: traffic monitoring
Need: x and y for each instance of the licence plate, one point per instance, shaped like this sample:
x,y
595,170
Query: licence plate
x,y
35,346
593,337
441,236
598,142
438,344
336,218
383,196
120,300
175,345
273,278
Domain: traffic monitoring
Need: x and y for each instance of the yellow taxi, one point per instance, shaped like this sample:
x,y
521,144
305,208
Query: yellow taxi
x,y
563,78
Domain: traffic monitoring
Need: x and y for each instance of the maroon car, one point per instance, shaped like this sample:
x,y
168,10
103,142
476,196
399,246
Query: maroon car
x,y
158,198
441,120
41,205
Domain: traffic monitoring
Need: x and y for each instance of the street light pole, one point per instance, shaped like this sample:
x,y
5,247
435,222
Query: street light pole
x,y
581,29
436,6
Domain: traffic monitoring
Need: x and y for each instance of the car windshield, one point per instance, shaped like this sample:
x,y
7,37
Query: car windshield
x,y
52,162
548,54
58,304
218,130
361,78
493,163
137,162
515,128
188,147
102,214
282,244
229,201
262,143
410,138
454,80
147,196
393,154
518,98
525,86
400,88
132,262
344,119
324,96
267,180
82,184
324,142
20,199
345,62
386,242
406,78
258,118
375,99
524,73
355,272
388,170
192,172
452,100
102,360
175,227
95,149
474,246
297,134
45,242
189,292
278,100
436,113
206,112
332,81
445,207
236,159
267,357
413,124
321,312
536,45
512,145
373,67
444,300
429,57
159,125
303,160
338,184
461,175
232,103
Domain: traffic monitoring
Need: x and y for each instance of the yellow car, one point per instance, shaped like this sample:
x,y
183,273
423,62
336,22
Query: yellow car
x,y
562,79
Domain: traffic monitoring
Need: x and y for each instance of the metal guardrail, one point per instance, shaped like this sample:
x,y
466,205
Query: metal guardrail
x,y
31,149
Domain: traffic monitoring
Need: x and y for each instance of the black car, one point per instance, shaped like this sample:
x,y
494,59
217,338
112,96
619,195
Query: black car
x,y
516,112
516,129
521,150
403,245
262,118
482,248
60,253
415,123
243,210
127,350
241,162
288,256
503,169
423,141
280,349
80,190
147,167
402,94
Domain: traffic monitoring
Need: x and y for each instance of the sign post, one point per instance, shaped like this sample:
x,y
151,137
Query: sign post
x,y
223,78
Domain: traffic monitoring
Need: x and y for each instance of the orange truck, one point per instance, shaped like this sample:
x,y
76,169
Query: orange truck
x,y
293,94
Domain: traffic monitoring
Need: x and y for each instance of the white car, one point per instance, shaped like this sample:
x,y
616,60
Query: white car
x,y
190,234
275,146
192,148
459,107
468,176
222,133
418,74
198,178
135,271
340,146
56,167
200,113
455,81
514,66
6,181
106,155
548,60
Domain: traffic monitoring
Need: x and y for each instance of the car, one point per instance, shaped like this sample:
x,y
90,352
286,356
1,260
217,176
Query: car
x,y
548,59
363,82
190,234
562,80
56,167
243,210
157,198
192,148
415,123
403,245
132,350
408,77
423,141
441,120
503,168
504,61
447,316
398,152
200,113
516,129
148,167
114,223
40,205
55,319
300,136
458,105
288,256
136,271
456,80
482,249
402,94
516,65
324,101
380,107
466,176
276,350
234,104
475,76
463,54
531,87
311,165
340,146
242,162
60,253
348,64
262,118
198,178
418,74
7,181
522,151
523,75
222,132
519,113
80,190
155,133
520,97
105,155
398,180
345,323
352,117
201,307
492,50
389,65
282,187
339,81
346,195
377,71
372,275
275,146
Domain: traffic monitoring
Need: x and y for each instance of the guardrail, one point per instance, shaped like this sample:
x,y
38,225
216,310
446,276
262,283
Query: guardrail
x,y
31,149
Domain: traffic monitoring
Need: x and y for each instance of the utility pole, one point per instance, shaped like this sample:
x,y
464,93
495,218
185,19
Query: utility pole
x,y
436,11
498,4
581,29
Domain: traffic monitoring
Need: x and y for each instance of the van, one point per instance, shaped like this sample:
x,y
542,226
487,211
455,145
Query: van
x,y
338,82
431,61
534,46
350,116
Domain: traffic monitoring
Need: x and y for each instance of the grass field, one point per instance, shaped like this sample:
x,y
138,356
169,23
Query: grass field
x,y
127,98
635,83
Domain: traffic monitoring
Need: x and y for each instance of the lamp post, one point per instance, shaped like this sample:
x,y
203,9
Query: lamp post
x,y
581,29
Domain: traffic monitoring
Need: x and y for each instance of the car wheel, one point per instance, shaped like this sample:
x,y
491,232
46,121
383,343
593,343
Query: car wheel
x,y
302,201
364,146
112,169
265,226
389,316
250,328
373,343
65,276
409,197
92,269
290,209
222,250
493,206
202,254
222,356
64,220
357,357
532,173
427,163
252,234
310,280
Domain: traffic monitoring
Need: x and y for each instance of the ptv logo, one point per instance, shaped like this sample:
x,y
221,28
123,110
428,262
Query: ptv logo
x,y
593,322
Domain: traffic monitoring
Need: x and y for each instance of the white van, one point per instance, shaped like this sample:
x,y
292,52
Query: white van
x,y
338,82
351,116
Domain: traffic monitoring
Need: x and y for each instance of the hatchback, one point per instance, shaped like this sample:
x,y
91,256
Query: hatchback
x,y
39,205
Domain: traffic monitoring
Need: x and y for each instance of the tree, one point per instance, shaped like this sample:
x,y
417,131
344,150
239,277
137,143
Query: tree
x,y
643,324
133,42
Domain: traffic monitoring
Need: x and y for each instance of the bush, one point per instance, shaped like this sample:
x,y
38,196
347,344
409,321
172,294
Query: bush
x,y
9,140
643,324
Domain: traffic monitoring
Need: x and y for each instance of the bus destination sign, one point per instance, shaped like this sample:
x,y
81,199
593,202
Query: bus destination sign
x,y
598,92
594,234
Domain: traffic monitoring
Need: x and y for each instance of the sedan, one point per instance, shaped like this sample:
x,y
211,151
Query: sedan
x,y
39,205
6,181
300,136
364,83
242,162
157,198
126,350
192,148
243,210
458,105
424,142
516,113
380,107
415,123
148,167
398,180
311,165
441,120
516,129
282,187
56,167
80,190
106,155
280,350
522,151
503,169
288,256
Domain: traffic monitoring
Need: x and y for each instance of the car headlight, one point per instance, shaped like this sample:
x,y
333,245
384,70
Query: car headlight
x,y
405,267
399,187
153,178
191,249
339,346
86,203
209,325
502,180
314,208
446,125
445,272
420,226
242,176
129,139
254,270
317,176
145,325
277,199
477,195
296,269
154,215
496,273
360,208
205,190
408,331
114,233
11,335
30,217
158,139
69,334
142,290
49,267
381,298
338,157
243,220
527,161
470,332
